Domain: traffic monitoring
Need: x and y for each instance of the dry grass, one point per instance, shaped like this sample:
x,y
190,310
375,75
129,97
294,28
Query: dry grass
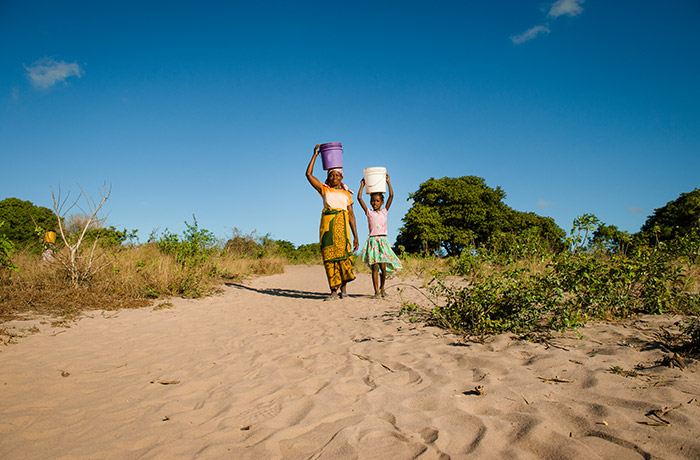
x,y
413,266
692,280
131,278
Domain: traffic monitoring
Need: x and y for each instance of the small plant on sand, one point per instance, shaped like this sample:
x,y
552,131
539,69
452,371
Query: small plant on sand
x,y
618,370
690,331
163,306
411,310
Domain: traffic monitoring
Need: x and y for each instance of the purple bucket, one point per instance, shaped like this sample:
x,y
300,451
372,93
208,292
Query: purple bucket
x,y
332,155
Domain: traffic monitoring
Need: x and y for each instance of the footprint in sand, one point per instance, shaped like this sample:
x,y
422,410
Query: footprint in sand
x,y
324,362
399,376
353,386
253,415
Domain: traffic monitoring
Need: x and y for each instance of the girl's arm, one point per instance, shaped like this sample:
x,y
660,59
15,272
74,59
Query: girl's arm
x,y
353,227
315,183
359,196
391,193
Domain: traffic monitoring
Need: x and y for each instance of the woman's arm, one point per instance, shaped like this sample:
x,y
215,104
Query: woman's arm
x,y
353,227
391,193
359,196
315,183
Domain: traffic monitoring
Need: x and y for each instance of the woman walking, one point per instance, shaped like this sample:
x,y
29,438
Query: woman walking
x,y
337,222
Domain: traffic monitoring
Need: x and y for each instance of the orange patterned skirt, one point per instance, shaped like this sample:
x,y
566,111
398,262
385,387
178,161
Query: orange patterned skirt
x,y
336,247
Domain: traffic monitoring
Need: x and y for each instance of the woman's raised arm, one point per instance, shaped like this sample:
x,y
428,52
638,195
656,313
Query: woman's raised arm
x,y
315,183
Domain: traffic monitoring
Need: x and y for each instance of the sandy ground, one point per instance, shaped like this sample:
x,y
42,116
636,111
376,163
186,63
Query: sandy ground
x,y
269,370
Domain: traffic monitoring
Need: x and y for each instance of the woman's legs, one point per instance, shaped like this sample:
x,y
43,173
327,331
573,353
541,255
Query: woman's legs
x,y
334,293
339,274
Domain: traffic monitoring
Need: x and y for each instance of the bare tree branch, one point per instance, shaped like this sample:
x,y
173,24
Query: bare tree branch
x,y
78,269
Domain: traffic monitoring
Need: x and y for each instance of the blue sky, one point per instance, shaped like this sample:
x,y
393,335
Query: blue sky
x,y
213,108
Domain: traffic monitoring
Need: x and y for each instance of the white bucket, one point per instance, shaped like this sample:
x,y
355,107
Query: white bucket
x,y
375,179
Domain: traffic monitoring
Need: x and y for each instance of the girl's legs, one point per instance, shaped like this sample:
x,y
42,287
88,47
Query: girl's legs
x,y
375,279
383,279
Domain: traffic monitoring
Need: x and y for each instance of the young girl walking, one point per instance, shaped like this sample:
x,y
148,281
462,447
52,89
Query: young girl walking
x,y
377,252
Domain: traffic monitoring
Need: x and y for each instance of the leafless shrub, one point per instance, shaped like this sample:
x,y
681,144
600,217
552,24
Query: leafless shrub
x,y
80,265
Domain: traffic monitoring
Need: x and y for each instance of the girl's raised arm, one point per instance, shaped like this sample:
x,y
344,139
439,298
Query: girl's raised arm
x,y
391,193
359,196
315,183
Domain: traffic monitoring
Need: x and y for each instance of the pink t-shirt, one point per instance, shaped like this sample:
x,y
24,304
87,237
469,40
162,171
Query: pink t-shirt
x,y
377,222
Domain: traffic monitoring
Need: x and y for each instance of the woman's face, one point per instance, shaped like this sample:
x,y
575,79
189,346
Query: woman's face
x,y
335,178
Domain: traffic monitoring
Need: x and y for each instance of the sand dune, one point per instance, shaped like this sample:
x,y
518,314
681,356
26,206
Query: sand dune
x,y
269,370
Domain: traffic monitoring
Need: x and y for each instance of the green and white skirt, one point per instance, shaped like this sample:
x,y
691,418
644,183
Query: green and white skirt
x,y
378,251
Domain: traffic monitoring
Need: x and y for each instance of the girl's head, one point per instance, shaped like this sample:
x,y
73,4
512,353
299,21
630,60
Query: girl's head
x,y
376,200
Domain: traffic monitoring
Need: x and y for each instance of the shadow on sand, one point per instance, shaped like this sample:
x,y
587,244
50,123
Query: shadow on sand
x,y
289,293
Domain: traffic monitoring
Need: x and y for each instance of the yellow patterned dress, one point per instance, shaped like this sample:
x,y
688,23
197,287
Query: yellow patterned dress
x,y
334,234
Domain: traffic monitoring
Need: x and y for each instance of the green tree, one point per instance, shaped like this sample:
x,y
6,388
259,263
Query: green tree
x,y
612,239
582,231
109,237
21,219
676,218
453,214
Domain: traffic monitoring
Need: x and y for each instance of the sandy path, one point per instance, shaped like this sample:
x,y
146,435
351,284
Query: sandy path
x,y
269,370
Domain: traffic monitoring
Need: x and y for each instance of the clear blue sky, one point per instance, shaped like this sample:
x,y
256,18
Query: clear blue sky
x,y
213,108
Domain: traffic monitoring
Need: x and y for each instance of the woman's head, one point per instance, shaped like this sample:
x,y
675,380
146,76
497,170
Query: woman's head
x,y
376,200
335,178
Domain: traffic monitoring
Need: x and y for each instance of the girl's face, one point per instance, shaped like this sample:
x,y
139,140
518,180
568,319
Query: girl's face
x,y
335,178
376,201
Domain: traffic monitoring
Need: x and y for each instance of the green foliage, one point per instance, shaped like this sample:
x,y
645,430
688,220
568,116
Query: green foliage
x,y
108,237
451,215
21,218
307,254
244,247
685,246
512,300
253,247
611,239
6,251
506,248
674,219
582,231
574,288
191,251
691,331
